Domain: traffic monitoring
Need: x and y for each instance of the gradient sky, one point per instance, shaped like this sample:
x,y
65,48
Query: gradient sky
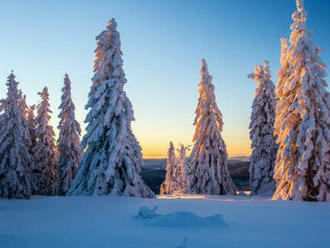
x,y
163,43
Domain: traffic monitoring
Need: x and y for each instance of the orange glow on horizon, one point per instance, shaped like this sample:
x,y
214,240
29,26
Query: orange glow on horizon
x,y
158,150
206,197
155,138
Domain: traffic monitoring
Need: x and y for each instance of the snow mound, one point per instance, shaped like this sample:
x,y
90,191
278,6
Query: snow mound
x,y
178,219
147,213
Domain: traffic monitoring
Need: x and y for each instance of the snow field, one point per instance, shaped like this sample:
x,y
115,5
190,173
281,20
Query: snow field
x,y
89,222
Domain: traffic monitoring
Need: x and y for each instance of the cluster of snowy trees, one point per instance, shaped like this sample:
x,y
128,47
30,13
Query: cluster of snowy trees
x,y
302,122
289,129
205,171
33,163
176,169
29,156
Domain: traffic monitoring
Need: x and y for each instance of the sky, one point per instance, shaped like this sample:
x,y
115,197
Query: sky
x,y
163,43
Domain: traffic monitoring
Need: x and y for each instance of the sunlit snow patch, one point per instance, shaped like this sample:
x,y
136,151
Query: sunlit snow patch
x,y
178,219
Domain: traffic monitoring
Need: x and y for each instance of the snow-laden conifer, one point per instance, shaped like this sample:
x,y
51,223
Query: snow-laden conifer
x,y
31,122
14,140
45,156
22,103
112,159
175,179
68,141
263,141
169,185
32,126
26,111
208,172
181,169
302,120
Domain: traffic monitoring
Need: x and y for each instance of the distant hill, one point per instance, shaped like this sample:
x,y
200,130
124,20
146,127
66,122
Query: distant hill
x,y
153,172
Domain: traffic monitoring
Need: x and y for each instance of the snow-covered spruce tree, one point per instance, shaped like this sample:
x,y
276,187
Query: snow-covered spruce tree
x,y
175,178
33,139
14,154
112,159
22,103
302,120
169,184
44,171
180,169
32,127
68,141
263,141
208,171
29,116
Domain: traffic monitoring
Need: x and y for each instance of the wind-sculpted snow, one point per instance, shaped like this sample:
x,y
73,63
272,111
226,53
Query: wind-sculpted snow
x,y
178,219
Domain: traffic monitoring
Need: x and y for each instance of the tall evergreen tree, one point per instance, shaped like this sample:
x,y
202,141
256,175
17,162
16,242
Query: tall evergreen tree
x,y
175,179
112,159
68,141
31,132
302,121
169,185
32,127
263,141
181,169
208,172
44,172
14,154
22,103
31,122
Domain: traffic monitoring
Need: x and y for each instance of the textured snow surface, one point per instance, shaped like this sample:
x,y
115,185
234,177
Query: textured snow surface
x,y
83,222
177,219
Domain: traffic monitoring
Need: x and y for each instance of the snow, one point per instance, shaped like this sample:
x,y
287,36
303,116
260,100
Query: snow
x,y
177,219
251,221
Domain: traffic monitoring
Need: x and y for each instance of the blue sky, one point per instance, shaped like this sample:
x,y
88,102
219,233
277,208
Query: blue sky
x,y
163,43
